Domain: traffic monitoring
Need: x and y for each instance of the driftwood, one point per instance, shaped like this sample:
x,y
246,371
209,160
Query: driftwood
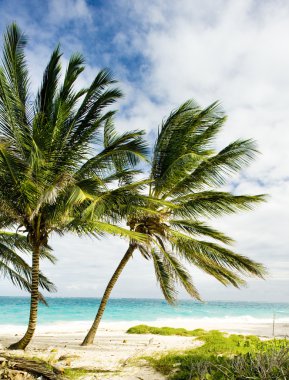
x,y
37,368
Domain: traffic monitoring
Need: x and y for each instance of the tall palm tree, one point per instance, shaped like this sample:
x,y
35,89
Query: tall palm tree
x,y
51,161
185,174
15,268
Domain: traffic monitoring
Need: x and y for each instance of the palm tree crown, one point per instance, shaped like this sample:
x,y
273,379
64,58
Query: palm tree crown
x,y
185,174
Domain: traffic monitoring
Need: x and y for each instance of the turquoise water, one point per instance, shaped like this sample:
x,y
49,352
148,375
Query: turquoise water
x,y
15,310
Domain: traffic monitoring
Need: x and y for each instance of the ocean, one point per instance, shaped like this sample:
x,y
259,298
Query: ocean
x,y
15,310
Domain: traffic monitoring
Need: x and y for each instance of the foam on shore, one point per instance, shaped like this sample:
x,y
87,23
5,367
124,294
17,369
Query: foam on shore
x,y
227,323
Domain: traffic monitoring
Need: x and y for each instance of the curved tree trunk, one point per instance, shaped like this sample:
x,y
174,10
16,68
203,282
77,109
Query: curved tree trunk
x,y
33,303
91,333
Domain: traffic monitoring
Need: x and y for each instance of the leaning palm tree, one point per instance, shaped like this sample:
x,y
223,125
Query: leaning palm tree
x,y
185,175
51,156
15,268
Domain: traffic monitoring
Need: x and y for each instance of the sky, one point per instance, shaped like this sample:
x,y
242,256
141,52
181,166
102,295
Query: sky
x,y
163,53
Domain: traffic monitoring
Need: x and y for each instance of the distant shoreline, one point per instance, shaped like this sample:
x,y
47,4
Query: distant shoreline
x,y
205,301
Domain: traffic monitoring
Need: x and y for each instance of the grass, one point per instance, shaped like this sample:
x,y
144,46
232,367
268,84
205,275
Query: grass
x,y
75,373
78,373
222,356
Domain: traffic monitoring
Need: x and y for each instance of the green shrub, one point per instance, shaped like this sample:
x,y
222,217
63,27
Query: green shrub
x,y
144,329
222,356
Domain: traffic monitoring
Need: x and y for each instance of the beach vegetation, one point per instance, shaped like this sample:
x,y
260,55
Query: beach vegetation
x,y
221,356
184,190
145,329
79,373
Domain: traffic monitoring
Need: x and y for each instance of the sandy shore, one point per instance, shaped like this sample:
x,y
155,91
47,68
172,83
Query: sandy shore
x,y
111,356
113,353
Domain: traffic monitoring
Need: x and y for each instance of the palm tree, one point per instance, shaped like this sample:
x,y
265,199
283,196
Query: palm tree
x,y
15,268
185,174
51,162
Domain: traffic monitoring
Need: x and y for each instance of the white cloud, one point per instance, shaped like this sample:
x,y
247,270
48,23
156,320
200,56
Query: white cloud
x,y
233,51
68,10
236,52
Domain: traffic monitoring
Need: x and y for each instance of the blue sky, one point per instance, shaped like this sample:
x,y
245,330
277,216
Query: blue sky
x,y
163,53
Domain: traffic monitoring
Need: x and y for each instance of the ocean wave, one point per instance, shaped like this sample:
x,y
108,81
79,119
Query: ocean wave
x,y
224,323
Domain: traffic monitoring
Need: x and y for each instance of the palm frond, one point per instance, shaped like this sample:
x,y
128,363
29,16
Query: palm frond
x,y
74,69
197,228
16,72
14,267
189,129
121,151
215,170
180,168
207,253
213,203
48,89
176,270
97,228
163,277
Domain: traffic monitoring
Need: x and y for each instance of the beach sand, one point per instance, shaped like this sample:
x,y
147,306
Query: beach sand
x,y
115,354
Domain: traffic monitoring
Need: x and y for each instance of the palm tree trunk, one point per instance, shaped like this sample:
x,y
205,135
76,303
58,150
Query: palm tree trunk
x,y
22,344
91,333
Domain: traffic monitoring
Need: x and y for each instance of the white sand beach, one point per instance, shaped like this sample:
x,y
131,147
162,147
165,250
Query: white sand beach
x,y
113,354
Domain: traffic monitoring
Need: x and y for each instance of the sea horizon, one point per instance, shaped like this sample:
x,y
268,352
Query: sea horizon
x,y
153,298
14,310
